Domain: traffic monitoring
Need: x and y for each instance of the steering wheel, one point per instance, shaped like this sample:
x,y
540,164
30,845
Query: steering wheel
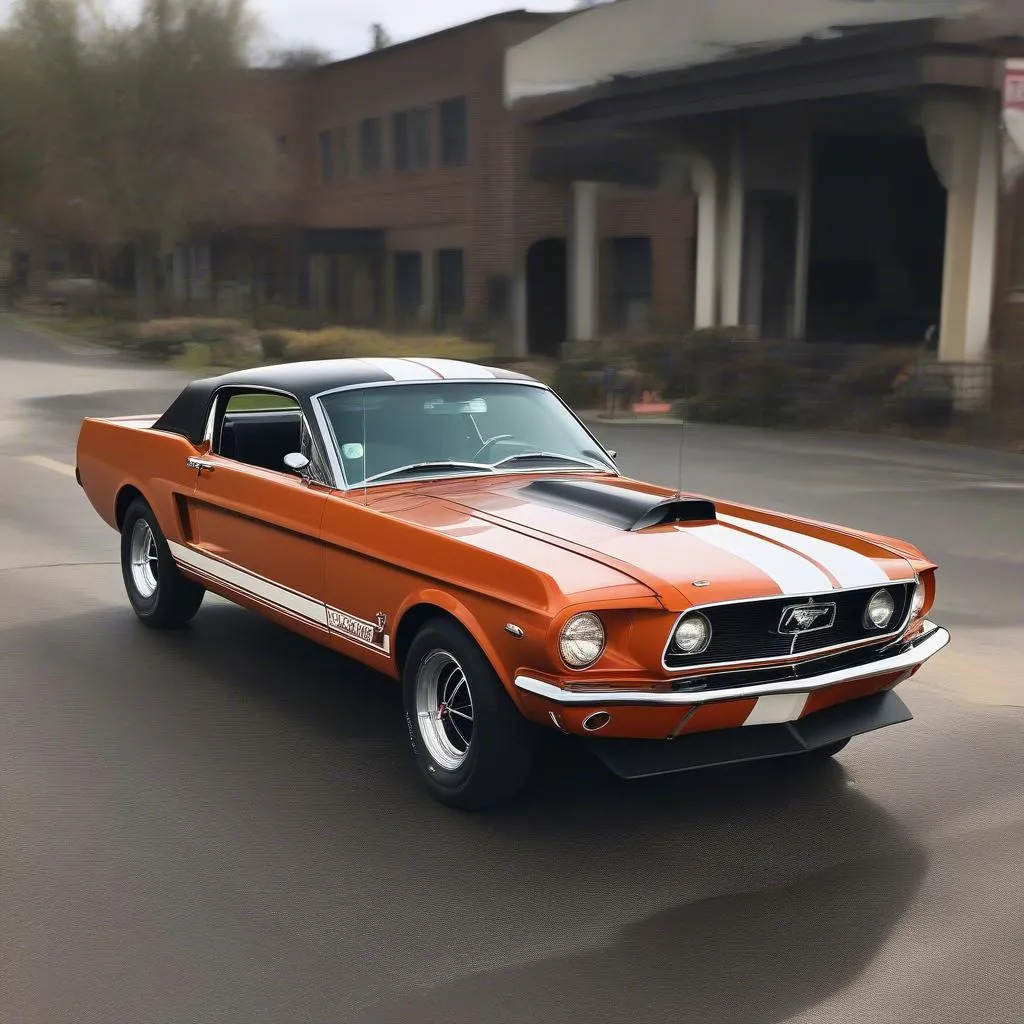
x,y
490,441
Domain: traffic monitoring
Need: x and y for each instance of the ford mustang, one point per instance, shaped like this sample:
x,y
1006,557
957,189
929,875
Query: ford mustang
x,y
458,528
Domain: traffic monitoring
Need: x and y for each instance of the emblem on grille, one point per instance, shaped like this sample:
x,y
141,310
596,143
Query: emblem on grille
x,y
806,618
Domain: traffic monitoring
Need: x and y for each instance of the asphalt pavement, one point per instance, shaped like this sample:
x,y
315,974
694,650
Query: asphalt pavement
x,y
224,825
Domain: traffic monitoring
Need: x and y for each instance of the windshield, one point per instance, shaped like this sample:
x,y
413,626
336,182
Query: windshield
x,y
456,429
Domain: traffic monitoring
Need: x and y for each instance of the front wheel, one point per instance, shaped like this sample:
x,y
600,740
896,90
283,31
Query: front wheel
x,y
472,746
160,596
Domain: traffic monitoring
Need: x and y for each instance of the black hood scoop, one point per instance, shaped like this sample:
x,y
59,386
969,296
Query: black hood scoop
x,y
618,506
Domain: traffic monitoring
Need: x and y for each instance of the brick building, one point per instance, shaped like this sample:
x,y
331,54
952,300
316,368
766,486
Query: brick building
x,y
414,204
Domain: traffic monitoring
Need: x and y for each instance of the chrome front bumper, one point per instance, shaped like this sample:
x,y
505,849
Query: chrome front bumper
x,y
910,656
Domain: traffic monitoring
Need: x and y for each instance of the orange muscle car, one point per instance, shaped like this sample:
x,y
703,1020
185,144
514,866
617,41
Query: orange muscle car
x,y
458,528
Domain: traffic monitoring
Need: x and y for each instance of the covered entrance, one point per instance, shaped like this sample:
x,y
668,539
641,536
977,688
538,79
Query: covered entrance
x,y
847,186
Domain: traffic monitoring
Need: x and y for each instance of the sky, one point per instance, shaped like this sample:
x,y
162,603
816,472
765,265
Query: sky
x,y
342,27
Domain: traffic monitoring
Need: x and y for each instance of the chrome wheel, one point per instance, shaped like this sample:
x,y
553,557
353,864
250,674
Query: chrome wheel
x,y
144,560
444,709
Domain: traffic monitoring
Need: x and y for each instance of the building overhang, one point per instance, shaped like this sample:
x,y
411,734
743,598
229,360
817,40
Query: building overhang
x,y
865,61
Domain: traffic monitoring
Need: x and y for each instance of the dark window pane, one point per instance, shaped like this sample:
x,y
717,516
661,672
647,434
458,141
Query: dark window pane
x,y
454,143
419,138
450,288
343,158
369,145
326,163
400,140
408,287
632,289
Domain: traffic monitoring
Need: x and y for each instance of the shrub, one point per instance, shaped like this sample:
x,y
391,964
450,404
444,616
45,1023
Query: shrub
x,y
344,342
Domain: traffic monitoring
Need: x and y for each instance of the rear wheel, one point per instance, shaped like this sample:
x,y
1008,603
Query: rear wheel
x,y
472,746
160,596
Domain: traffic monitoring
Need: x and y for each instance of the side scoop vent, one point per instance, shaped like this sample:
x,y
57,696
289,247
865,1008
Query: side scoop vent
x,y
618,506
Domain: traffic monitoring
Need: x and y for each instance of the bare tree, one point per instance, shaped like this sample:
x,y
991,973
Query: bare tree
x,y
299,57
134,130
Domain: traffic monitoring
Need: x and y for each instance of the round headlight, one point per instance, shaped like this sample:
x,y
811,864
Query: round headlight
x,y
880,609
582,640
917,603
692,634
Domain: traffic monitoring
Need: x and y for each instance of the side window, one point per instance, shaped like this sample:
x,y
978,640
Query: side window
x,y
261,428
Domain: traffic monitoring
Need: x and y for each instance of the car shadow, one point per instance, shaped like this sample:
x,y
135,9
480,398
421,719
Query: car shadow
x,y
729,896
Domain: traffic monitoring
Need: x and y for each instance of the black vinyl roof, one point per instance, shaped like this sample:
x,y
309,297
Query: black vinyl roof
x,y
186,415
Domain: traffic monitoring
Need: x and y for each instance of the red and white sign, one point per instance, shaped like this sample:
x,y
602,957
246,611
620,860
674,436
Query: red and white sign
x,y
1013,85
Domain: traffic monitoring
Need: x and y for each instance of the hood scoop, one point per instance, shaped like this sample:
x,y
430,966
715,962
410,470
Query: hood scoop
x,y
618,507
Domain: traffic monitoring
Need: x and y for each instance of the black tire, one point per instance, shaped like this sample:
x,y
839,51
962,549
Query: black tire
x,y
174,600
502,744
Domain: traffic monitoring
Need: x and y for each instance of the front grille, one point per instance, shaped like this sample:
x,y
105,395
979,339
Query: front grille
x,y
747,631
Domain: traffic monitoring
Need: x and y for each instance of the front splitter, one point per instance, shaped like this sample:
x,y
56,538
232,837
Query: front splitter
x,y
637,759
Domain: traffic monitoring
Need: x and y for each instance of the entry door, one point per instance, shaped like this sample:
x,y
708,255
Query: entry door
x,y
258,531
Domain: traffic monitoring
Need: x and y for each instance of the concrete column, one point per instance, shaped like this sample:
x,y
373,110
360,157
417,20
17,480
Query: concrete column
x,y
802,257
583,262
963,142
702,173
520,339
732,232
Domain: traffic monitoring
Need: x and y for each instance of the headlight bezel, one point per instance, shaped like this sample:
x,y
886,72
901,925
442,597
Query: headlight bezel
x,y
869,622
691,616
590,618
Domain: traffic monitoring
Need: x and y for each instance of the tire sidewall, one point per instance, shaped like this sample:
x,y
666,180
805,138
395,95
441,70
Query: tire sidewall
x,y
442,637
145,607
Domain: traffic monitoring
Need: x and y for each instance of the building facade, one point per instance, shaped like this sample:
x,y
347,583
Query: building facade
x,y
415,206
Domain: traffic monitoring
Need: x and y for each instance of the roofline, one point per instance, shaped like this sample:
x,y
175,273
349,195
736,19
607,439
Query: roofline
x,y
910,35
514,14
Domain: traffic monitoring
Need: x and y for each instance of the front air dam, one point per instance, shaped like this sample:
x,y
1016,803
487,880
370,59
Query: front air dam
x,y
637,759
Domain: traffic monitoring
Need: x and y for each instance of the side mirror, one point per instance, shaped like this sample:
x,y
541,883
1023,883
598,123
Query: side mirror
x,y
296,462
614,454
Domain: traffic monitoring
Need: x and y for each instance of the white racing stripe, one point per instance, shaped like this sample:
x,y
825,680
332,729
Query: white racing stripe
x,y
455,368
51,464
777,708
850,568
297,604
792,573
400,369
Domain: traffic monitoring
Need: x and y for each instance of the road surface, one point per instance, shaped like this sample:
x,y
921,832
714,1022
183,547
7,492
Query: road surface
x,y
223,825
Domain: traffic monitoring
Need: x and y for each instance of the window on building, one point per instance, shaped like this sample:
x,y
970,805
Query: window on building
x,y
343,168
408,287
632,285
450,287
369,145
410,131
454,132
324,141
400,140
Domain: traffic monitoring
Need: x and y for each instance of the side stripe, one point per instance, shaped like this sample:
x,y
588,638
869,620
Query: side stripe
x,y
297,604
850,568
791,572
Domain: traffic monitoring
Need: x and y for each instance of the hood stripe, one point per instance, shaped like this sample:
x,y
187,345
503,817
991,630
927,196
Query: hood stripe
x,y
399,369
792,573
850,568
456,368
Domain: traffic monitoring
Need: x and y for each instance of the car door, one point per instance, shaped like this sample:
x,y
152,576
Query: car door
x,y
256,527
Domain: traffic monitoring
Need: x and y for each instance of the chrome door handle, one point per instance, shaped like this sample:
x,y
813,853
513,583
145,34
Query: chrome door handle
x,y
199,464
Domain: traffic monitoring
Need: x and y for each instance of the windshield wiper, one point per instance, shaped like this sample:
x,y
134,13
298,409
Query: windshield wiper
x,y
417,467
535,456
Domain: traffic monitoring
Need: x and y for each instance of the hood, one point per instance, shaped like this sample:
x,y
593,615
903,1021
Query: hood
x,y
687,549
